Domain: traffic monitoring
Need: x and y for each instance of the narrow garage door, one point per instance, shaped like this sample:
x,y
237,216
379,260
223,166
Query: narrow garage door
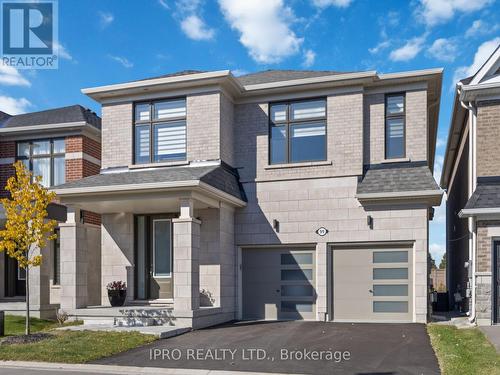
x,y
278,284
372,285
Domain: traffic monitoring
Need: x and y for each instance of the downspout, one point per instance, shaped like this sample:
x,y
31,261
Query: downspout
x,y
469,106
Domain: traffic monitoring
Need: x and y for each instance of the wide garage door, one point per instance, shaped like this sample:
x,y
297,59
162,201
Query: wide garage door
x,y
278,284
372,285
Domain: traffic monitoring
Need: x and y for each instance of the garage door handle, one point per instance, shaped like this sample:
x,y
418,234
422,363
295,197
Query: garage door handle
x,y
277,290
371,291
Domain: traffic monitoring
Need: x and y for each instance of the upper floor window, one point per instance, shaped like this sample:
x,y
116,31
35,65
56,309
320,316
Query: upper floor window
x,y
160,131
395,126
44,158
297,131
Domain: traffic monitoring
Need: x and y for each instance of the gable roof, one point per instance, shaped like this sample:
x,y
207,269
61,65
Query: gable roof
x,y
64,115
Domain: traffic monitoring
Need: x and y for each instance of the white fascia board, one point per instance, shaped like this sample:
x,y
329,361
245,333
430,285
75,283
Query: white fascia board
x,y
472,92
487,67
410,74
137,188
469,212
35,128
309,81
155,82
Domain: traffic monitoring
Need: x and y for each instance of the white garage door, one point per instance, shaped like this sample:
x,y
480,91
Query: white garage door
x,y
372,285
278,284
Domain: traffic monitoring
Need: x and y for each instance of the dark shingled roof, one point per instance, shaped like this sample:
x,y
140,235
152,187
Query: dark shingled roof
x,y
74,113
486,195
175,74
221,177
268,76
398,177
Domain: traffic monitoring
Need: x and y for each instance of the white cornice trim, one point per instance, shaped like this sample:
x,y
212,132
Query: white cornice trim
x,y
410,74
64,126
146,187
469,212
431,197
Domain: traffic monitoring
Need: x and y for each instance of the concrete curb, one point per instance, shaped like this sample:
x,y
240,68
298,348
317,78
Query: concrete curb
x,y
108,369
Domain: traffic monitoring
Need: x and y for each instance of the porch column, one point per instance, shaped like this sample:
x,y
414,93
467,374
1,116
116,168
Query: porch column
x,y
186,233
39,288
73,262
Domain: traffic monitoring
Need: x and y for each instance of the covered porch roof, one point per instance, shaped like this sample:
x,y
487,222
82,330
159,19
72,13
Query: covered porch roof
x,y
154,190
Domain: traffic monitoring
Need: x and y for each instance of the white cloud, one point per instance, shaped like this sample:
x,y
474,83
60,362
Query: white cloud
x,y
434,12
480,27
264,27
438,167
164,4
122,60
309,57
239,72
409,50
379,47
443,49
62,52
105,19
194,27
188,13
336,3
10,76
483,52
14,106
440,142
437,251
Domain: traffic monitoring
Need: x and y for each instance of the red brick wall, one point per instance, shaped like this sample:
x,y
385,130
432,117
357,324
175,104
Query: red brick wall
x,y
7,150
80,168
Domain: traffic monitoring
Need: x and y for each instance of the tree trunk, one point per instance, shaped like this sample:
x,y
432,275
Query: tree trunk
x,y
27,331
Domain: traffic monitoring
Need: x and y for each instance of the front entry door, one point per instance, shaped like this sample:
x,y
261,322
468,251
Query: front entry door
x,y
15,278
153,266
496,281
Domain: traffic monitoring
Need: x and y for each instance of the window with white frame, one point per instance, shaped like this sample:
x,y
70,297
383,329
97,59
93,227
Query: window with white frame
x,y
160,131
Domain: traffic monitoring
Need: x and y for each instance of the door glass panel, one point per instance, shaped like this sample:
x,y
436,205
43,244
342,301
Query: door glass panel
x,y
390,256
141,258
390,290
390,306
162,251
296,258
292,306
390,273
296,275
296,291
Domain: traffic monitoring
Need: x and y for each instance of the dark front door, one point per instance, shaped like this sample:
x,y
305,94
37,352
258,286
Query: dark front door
x,y
496,281
153,257
15,278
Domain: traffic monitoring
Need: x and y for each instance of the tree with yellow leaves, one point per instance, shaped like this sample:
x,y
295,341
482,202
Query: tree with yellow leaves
x,y
27,227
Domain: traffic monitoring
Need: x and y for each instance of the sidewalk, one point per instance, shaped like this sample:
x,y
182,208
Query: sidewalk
x,y
32,368
492,333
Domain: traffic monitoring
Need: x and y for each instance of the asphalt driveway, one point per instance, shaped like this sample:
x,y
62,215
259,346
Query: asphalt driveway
x,y
293,347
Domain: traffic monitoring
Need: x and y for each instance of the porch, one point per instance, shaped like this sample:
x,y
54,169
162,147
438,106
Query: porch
x,y
173,244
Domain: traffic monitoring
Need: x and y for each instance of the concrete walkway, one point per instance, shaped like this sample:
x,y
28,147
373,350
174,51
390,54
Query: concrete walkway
x,y
493,335
35,368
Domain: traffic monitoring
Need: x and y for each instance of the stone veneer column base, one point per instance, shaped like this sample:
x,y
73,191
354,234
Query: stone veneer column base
x,y
483,298
186,233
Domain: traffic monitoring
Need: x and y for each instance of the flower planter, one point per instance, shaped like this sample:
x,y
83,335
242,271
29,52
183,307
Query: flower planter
x,y
117,297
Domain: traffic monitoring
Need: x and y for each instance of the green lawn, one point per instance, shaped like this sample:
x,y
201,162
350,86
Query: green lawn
x,y
67,346
463,351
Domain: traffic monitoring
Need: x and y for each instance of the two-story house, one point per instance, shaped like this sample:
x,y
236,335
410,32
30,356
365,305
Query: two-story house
x,y
60,145
471,176
274,195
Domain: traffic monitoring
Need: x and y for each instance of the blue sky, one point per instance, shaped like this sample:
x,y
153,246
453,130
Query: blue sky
x,y
103,42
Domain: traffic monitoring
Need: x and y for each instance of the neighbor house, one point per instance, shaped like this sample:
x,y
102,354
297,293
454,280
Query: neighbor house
x,y
60,145
274,195
471,176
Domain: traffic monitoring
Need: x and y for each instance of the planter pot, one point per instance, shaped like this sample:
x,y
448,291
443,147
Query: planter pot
x,y
117,297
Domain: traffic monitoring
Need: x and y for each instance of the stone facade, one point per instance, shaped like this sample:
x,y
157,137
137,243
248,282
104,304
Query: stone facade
x,y
488,138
